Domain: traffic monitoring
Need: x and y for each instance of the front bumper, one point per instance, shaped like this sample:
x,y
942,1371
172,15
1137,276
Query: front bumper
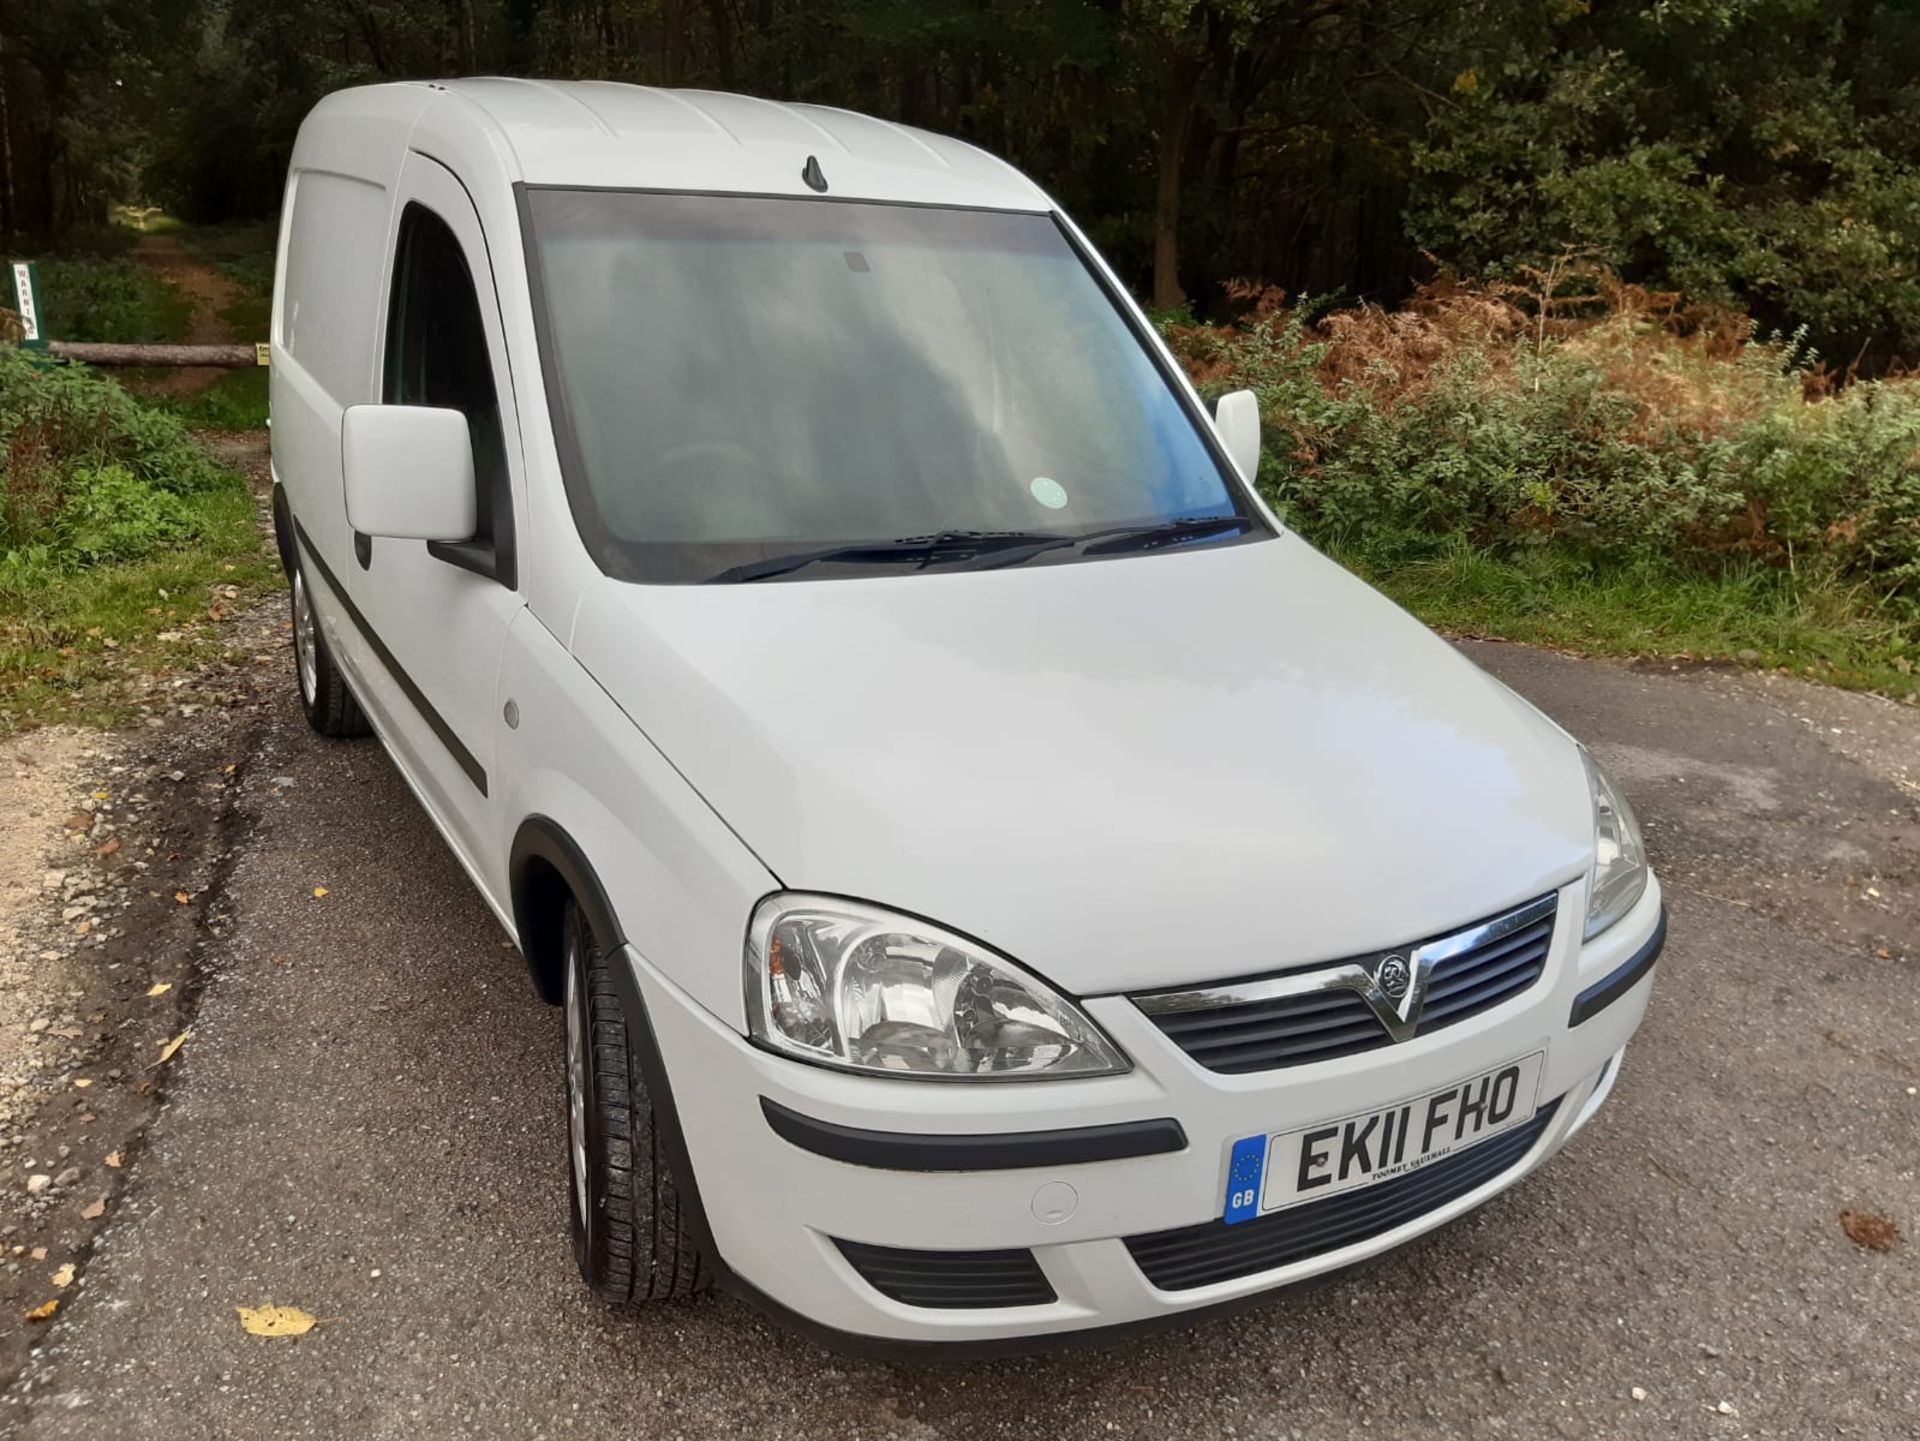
x,y
775,1211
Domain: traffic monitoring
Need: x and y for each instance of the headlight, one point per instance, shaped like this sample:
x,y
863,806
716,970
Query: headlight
x,y
1619,872
853,986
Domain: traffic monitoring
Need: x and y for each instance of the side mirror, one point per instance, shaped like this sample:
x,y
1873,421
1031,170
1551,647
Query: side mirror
x,y
408,471
1236,418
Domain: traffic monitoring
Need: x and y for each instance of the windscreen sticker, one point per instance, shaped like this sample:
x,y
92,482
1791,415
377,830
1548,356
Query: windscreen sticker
x,y
1048,491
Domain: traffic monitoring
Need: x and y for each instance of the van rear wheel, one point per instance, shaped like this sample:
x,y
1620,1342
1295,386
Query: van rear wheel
x,y
324,696
630,1236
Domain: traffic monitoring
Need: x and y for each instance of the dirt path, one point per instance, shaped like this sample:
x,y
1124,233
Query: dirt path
x,y
210,293
113,845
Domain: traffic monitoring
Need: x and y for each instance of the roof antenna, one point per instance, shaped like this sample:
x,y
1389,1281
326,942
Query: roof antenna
x,y
811,173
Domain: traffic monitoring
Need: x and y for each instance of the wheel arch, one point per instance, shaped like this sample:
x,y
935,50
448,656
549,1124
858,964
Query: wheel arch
x,y
283,528
546,866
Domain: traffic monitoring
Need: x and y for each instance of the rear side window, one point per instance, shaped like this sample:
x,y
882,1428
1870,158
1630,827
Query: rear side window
x,y
437,355
328,311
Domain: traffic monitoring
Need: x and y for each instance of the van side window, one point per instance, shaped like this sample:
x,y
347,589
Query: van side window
x,y
437,355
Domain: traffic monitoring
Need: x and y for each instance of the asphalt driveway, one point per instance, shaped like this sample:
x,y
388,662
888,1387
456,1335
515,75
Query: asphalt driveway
x,y
368,1123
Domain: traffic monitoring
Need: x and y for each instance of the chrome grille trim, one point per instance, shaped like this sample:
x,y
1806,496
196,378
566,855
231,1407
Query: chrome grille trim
x,y
1321,1012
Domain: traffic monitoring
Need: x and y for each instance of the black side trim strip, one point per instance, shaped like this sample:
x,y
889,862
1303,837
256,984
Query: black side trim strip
x,y
466,758
1004,1151
1608,989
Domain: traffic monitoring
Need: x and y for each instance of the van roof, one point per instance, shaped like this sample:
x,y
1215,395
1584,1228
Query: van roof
x,y
599,133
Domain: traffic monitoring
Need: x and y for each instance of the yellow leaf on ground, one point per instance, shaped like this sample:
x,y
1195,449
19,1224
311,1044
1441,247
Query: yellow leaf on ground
x,y
94,1212
182,897
319,893
166,1051
42,1313
274,1320
159,988
63,1278
113,1159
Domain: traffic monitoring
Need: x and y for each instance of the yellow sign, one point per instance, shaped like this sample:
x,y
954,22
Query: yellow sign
x,y
262,353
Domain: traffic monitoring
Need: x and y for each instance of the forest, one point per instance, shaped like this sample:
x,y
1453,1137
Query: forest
x,y
1584,322
1762,155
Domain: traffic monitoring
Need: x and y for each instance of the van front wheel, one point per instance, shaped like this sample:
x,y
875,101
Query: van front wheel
x,y
630,1236
330,707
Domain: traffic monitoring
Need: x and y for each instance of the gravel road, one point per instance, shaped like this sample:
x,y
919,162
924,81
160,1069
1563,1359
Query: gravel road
x,y
367,1122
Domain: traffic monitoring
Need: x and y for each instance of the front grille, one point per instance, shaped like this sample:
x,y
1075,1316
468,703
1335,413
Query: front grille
x,y
1262,1034
964,1280
1192,1256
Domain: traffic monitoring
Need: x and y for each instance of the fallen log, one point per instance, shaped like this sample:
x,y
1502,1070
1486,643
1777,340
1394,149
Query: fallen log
x,y
224,357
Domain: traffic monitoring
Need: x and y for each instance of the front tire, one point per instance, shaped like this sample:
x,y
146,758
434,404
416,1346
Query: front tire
x,y
630,1235
329,705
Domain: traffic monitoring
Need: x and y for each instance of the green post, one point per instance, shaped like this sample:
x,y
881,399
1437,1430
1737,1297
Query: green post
x,y
25,294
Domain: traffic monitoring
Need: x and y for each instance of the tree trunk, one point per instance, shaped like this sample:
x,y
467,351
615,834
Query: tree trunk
x,y
722,41
6,153
222,357
465,43
1175,119
673,20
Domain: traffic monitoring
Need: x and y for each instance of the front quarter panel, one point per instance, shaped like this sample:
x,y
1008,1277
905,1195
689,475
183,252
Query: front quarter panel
x,y
681,883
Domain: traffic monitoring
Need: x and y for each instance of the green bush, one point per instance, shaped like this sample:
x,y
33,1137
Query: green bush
x,y
109,298
1395,439
89,475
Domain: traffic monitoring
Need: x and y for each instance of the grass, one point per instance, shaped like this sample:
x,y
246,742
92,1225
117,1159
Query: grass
x,y
236,401
110,298
82,648
1764,616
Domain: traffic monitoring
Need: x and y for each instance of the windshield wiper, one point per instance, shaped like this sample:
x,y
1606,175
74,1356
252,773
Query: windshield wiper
x,y
1152,534
992,546
986,549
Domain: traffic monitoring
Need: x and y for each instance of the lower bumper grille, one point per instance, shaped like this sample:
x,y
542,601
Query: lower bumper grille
x,y
1193,1256
952,1280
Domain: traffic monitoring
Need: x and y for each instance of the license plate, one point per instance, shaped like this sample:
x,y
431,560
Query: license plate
x,y
1285,1168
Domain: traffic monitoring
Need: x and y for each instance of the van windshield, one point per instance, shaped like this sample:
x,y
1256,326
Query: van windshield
x,y
750,388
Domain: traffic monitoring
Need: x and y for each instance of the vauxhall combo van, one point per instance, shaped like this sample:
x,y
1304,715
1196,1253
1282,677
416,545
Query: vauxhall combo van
x,y
1003,887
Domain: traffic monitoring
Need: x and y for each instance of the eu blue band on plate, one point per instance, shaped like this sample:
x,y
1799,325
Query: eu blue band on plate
x,y
1244,1170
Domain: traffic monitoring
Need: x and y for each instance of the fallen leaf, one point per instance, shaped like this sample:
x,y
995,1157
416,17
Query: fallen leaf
x,y
107,848
82,1082
42,1313
273,1320
166,1051
319,893
159,988
63,1278
113,1159
101,795
94,1212
1869,1231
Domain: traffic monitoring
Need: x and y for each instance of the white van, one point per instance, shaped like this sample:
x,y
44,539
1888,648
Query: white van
x,y
1002,885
